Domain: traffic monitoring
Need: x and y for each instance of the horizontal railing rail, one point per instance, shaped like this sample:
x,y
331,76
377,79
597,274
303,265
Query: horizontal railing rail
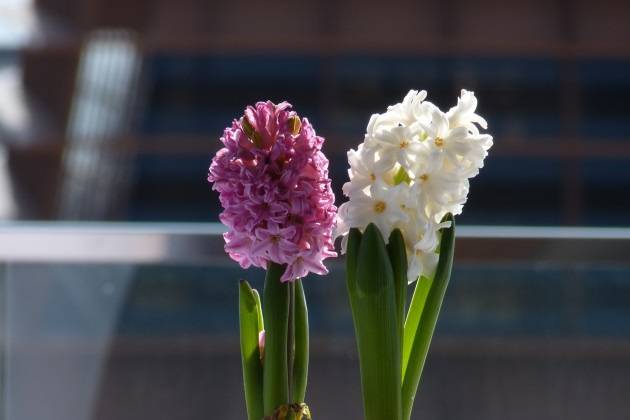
x,y
201,243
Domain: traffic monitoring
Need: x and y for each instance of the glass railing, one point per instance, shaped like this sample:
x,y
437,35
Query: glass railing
x,y
139,321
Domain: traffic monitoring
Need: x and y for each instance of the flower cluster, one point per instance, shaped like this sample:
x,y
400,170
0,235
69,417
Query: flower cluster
x,y
273,184
411,170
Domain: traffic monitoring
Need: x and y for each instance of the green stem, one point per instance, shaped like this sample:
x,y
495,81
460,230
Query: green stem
x,y
428,319
300,364
291,340
250,353
276,315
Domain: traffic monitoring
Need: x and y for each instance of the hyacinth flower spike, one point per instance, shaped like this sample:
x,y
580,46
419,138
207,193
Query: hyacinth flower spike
x,y
408,179
278,206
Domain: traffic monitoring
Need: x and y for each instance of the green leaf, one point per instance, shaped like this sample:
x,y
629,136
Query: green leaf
x,y
276,316
374,270
250,353
372,293
428,318
300,364
352,255
398,257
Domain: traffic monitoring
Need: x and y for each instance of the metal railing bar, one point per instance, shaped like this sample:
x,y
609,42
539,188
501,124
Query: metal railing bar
x,y
201,243
193,229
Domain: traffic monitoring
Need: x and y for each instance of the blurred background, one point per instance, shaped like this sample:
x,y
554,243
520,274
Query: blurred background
x,y
110,112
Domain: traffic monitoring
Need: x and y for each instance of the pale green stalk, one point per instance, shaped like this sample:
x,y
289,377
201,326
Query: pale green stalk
x,y
276,315
426,321
300,364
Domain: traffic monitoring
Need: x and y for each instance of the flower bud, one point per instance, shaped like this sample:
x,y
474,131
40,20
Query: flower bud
x,y
249,131
294,124
261,345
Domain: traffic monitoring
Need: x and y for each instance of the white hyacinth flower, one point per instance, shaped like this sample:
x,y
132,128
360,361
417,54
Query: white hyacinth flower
x,y
411,170
399,143
381,206
361,172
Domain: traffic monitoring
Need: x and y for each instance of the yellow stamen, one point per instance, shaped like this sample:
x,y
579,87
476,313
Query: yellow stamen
x,y
379,207
424,177
439,141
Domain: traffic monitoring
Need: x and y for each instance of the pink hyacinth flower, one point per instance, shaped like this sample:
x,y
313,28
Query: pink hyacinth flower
x,y
273,184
